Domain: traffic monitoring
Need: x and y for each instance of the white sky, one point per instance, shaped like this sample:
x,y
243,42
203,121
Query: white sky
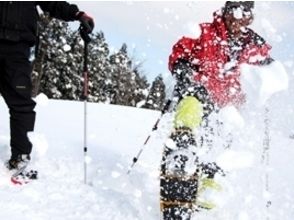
x,y
150,28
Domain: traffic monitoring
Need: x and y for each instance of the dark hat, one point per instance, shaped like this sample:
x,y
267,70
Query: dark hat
x,y
248,5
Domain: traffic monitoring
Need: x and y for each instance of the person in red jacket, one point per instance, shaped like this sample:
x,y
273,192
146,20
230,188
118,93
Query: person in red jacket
x,y
207,73
213,60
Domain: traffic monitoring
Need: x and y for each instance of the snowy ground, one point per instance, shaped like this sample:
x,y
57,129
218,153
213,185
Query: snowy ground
x,y
115,135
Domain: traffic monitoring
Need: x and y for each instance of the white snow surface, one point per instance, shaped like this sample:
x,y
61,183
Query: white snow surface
x,y
115,134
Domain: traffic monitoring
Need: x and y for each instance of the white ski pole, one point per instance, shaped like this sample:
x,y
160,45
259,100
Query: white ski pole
x,y
86,38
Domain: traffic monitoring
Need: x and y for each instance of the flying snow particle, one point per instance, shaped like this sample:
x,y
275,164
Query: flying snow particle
x,y
66,48
138,193
115,174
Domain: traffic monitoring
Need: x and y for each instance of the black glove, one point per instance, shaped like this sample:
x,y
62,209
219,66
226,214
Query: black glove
x,y
87,22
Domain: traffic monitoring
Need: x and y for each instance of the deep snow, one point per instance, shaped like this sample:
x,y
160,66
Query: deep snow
x,y
115,135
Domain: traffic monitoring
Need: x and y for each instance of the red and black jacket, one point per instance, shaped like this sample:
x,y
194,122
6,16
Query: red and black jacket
x,y
216,66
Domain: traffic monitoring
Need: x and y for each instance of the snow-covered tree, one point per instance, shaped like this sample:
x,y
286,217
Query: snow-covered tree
x,y
99,69
60,77
156,97
128,86
59,65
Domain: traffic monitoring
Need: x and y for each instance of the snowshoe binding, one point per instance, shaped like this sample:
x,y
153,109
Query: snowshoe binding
x,y
18,167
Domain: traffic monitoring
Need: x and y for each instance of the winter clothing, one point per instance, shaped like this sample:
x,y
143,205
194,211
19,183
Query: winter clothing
x,y
189,113
18,31
15,87
215,59
247,5
19,18
187,86
207,73
19,163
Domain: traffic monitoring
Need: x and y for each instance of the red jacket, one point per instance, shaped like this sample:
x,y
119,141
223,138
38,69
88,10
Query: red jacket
x,y
212,60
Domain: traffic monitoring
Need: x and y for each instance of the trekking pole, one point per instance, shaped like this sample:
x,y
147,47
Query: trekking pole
x,y
86,38
155,127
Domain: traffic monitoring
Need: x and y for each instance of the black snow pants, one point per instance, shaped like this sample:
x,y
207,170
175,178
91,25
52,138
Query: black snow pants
x,y
16,87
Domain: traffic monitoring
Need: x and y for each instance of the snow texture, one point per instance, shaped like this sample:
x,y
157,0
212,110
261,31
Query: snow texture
x,y
115,135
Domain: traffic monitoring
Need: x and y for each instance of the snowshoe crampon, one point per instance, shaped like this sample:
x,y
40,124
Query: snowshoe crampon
x,y
177,197
24,177
18,168
186,185
179,179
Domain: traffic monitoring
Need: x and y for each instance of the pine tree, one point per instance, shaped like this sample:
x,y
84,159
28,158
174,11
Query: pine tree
x,y
63,60
60,78
142,86
99,69
40,53
156,97
59,65
128,85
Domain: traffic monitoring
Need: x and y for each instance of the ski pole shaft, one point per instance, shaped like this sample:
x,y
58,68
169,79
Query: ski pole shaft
x,y
85,94
85,142
154,128
86,38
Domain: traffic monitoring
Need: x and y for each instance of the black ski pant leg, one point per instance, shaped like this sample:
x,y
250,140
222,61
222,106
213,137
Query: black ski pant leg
x,y
16,87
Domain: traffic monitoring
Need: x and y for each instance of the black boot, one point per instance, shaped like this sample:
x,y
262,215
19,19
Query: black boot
x,y
20,162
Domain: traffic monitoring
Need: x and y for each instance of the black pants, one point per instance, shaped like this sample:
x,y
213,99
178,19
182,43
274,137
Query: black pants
x,y
16,87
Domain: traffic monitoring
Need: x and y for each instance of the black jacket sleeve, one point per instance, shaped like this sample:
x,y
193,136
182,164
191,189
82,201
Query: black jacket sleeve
x,y
61,10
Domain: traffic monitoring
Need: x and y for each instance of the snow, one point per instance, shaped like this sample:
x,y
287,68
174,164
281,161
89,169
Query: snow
x,y
238,13
115,134
231,160
264,81
66,48
270,31
58,155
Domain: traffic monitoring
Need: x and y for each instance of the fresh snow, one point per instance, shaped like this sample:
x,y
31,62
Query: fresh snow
x,y
116,133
